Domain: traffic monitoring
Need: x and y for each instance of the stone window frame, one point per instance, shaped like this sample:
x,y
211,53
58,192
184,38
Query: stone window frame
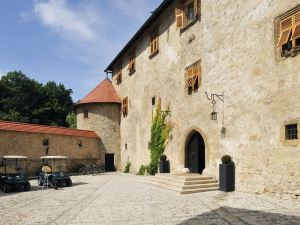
x,y
280,55
286,142
181,18
193,80
131,62
118,73
124,107
154,43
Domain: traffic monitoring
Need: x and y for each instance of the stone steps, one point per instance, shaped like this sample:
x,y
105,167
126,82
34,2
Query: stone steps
x,y
183,183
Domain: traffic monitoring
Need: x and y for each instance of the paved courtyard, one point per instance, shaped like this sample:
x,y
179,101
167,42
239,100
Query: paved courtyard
x,y
121,199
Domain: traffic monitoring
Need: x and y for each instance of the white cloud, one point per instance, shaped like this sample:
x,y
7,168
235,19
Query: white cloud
x,y
24,17
70,23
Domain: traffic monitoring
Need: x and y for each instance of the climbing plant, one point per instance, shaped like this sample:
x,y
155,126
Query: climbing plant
x,y
160,131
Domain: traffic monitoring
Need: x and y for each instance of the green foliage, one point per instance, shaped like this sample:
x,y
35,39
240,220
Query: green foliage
x,y
142,170
226,159
25,100
72,120
127,167
160,131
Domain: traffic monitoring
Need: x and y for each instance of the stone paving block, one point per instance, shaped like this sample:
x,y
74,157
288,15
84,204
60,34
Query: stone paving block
x,y
118,199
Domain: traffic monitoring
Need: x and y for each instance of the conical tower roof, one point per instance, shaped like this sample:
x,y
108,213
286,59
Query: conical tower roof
x,y
103,93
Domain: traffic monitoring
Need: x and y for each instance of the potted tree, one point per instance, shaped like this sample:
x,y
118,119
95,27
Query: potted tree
x,y
227,174
164,165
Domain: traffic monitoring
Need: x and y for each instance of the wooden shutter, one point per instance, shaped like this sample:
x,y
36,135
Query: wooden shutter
x,y
195,8
179,14
296,30
285,31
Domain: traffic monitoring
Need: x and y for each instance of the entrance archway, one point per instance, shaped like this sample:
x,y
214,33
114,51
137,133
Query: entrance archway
x,y
195,153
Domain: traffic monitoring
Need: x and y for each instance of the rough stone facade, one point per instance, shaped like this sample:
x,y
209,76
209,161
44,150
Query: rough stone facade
x,y
31,145
104,119
236,44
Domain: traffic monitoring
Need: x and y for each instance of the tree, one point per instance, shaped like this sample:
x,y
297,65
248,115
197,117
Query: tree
x,y
25,100
72,120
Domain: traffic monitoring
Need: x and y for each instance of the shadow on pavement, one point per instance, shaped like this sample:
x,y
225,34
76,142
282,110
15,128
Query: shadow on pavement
x,y
234,216
79,183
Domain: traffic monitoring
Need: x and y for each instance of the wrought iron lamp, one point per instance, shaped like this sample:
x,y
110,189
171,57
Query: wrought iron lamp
x,y
214,114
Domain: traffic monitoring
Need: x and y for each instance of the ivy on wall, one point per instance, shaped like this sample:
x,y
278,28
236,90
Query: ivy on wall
x,y
160,131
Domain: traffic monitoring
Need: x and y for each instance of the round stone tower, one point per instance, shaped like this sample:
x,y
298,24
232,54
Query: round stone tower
x,y
99,111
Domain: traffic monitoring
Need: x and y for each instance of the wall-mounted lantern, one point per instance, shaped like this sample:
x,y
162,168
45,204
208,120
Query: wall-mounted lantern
x,y
214,114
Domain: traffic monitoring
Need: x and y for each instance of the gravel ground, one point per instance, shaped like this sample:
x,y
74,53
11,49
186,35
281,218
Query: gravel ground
x,y
117,198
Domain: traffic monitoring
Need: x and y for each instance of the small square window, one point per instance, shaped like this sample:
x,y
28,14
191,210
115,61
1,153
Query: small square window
x,y
86,113
291,132
153,101
45,142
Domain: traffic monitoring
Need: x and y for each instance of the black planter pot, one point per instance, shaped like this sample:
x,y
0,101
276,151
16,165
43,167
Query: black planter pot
x,y
164,166
227,177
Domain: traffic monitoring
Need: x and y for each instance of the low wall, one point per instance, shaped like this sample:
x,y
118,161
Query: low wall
x,y
33,146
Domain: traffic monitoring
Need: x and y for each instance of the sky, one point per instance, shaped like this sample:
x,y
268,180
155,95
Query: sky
x,y
67,41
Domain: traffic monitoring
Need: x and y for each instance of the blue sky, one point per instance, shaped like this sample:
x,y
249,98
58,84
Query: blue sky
x,y
68,41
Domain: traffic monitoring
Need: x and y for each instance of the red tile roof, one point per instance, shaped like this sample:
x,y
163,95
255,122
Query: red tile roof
x,y
103,93
33,128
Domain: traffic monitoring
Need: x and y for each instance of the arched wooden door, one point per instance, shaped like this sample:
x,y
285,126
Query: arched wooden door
x,y
195,153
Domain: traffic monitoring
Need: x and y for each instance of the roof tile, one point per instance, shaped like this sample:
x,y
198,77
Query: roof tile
x,y
33,128
103,93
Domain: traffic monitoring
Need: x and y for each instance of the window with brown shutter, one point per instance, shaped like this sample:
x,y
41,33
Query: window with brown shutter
x,y
131,64
154,44
118,73
179,14
125,107
186,14
296,30
289,34
193,78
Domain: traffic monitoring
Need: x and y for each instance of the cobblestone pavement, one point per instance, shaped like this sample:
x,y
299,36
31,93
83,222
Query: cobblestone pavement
x,y
121,199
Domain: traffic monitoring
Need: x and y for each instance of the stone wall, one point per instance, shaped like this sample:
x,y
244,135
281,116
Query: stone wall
x,y
31,145
236,43
104,119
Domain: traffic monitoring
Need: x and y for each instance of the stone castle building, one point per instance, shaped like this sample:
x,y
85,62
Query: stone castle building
x,y
229,71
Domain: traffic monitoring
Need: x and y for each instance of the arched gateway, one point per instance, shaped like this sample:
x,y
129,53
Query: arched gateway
x,y
195,153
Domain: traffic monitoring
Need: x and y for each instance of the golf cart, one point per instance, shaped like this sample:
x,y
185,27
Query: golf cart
x,y
13,173
54,172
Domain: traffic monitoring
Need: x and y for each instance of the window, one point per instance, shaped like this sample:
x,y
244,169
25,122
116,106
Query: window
x,y
154,44
153,101
85,113
45,142
289,34
118,73
131,64
187,13
125,107
193,78
126,146
291,132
